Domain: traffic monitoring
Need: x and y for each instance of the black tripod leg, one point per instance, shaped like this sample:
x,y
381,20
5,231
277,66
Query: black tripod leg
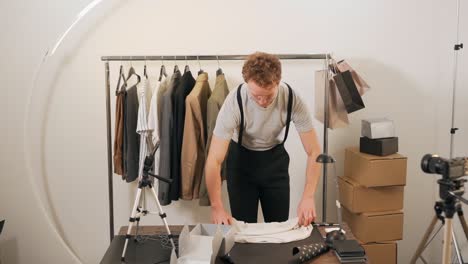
x,y
423,242
462,221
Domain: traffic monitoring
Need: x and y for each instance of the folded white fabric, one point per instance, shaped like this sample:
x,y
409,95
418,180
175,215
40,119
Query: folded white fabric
x,y
275,232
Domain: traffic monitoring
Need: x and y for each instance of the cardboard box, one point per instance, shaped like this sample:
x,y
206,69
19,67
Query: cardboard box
x,y
378,147
375,227
381,253
374,171
377,128
359,199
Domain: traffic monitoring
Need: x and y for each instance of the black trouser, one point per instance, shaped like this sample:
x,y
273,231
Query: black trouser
x,y
254,176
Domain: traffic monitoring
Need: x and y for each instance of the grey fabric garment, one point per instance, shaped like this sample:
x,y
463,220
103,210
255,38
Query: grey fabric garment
x,y
165,140
162,89
215,102
264,127
132,138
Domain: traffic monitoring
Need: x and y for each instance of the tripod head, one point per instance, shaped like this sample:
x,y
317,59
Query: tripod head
x,y
148,166
451,186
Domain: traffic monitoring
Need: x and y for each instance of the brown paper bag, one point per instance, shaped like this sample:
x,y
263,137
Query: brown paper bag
x,y
337,115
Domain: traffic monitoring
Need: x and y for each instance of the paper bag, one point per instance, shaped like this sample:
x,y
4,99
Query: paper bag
x,y
361,85
337,114
348,91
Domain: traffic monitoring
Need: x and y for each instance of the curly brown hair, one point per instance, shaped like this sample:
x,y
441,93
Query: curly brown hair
x,y
262,68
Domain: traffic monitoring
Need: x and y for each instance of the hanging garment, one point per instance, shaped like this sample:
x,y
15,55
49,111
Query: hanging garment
x,y
142,125
194,141
184,88
162,89
144,88
276,232
153,122
167,128
132,139
120,93
215,102
251,175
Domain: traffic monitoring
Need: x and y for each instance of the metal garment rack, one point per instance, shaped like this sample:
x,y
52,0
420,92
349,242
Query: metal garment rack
x,y
325,56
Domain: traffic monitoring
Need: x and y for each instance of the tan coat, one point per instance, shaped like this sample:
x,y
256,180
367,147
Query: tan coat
x,y
215,102
195,136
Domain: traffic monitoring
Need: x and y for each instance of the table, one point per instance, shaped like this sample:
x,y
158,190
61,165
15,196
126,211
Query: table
x,y
154,251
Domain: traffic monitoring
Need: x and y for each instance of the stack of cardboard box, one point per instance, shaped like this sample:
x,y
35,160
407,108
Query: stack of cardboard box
x,y
371,194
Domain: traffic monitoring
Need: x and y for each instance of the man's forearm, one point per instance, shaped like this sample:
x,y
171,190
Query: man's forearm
x,y
312,175
213,183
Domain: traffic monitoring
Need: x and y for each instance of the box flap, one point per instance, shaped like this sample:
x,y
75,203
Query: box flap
x,y
354,184
373,157
373,214
349,181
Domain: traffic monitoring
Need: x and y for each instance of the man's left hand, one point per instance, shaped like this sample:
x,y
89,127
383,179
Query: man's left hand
x,y
306,211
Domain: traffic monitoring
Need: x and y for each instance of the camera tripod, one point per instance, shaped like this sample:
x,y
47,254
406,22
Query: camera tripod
x,y
449,205
138,211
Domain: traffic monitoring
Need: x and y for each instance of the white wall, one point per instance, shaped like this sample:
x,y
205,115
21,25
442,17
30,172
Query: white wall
x,y
402,48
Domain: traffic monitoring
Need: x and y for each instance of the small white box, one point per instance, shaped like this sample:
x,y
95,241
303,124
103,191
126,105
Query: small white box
x,y
203,244
377,128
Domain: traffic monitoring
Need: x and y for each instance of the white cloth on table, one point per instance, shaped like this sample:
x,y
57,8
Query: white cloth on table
x,y
275,232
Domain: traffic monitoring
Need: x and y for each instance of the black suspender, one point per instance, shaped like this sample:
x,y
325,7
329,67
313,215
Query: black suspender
x,y
241,126
288,117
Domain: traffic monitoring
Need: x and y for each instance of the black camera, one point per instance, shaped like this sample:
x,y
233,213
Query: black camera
x,y
448,168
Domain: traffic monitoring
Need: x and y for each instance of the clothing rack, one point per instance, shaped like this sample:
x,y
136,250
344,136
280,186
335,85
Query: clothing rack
x,y
324,156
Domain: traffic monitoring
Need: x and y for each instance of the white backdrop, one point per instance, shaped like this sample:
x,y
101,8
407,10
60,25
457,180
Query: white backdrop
x,y
402,48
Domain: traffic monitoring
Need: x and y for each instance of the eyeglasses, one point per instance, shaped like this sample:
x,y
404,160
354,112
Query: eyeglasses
x,y
263,99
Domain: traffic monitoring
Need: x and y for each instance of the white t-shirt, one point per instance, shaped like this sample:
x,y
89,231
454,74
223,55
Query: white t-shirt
x,y
153,121
263,127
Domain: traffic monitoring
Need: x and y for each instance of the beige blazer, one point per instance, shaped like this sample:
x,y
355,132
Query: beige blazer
x,y
215,102
195,136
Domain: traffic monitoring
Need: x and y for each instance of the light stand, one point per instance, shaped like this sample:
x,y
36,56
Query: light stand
x,y
458,46
448,232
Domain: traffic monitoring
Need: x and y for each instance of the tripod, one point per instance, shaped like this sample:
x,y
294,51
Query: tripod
x,y
440,205
137,211
449,205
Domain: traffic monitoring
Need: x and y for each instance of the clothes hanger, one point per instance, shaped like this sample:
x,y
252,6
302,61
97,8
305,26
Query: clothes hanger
x,y
162,72
121,77
132,72
176,68
199,66
219,71
187,68
145,73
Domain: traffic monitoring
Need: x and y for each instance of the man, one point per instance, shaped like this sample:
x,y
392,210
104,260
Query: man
x,y
251,129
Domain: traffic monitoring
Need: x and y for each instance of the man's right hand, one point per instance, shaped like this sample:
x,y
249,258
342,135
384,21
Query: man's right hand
x,y
219,216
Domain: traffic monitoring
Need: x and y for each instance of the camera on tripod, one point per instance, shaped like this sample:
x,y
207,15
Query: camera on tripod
x,y
451,170
448,168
